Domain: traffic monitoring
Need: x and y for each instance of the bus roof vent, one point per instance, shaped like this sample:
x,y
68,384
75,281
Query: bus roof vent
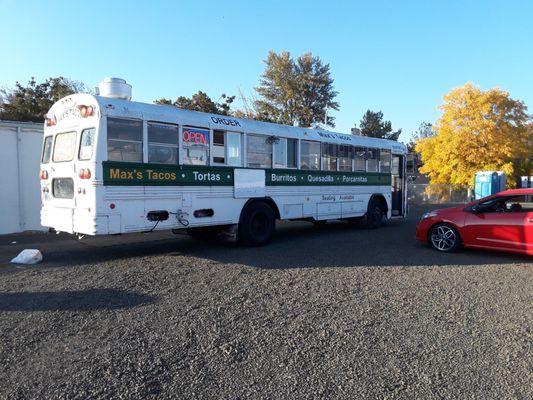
x,y
115,88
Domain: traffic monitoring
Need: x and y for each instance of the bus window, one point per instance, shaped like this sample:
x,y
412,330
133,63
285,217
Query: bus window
x,y
234,141
195,146
345,158
285,153
219,148
124,140
280,153
64,147
359,159
86,144
162,143
47,149
258,151
309,155
384,161
372,160
329,154
292,153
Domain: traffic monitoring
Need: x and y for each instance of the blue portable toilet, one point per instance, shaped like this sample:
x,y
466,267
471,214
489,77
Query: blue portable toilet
x,y
487,183
526,182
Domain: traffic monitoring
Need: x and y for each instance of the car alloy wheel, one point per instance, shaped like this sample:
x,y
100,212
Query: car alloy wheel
x,y
444,238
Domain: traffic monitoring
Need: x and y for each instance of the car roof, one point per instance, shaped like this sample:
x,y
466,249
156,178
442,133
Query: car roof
x,y
514,192
504,193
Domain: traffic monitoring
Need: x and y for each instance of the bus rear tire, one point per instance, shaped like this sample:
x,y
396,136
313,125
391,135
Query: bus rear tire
x,y
257,224
374,216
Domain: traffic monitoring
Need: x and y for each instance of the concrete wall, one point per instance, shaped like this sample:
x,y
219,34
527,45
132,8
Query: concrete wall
x,y
20,199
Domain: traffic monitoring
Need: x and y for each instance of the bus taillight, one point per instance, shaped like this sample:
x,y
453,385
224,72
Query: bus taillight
x,y
51,121
86,111
43,175
85,173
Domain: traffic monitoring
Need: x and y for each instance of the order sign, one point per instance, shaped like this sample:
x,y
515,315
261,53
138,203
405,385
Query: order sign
x,y
195,135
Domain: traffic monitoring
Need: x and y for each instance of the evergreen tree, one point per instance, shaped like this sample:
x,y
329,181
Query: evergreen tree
x,y
296,92
373,125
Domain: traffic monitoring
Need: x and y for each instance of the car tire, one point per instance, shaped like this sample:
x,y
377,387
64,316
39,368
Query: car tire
x,y
257,224
374,215
444,238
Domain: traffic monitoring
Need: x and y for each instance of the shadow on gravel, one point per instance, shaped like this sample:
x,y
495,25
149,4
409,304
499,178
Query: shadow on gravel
x,y
85,300
295,245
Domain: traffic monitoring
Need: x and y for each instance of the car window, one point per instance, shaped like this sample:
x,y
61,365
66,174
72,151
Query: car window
x,y
519,203
507,204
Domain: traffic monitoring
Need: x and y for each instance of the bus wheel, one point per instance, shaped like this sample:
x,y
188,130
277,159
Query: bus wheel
x,y
205,233
257,224
374,215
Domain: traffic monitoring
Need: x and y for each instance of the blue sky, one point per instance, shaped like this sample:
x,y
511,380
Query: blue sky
x,y
396,56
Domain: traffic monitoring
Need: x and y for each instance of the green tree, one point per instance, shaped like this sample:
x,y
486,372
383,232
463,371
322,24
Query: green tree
x,y
201,102
373,125
295,92
32,102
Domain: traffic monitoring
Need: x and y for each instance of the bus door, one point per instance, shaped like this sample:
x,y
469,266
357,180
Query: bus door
x,y
399,208
62,178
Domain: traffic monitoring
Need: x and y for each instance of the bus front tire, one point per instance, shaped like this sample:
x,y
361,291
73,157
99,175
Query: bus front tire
x,y
257,224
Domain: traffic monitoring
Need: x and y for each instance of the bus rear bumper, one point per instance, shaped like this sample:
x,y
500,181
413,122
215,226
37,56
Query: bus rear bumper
x,y
72,221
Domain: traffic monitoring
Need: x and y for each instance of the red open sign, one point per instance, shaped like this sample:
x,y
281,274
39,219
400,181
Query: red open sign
x,y
193,135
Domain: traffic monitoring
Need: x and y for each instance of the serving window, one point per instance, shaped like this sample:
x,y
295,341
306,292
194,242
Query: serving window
x,y
227,148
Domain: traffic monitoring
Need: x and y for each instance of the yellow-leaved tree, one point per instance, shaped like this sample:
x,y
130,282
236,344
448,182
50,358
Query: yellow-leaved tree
x,y
478,130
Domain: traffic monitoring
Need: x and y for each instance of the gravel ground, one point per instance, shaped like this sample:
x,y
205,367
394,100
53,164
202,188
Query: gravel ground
x,y
329,312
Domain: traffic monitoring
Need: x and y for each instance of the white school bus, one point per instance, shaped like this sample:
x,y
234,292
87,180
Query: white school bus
x,y
111,166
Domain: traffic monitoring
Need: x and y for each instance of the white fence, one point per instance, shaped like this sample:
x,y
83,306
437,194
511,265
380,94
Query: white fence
x,y
20,200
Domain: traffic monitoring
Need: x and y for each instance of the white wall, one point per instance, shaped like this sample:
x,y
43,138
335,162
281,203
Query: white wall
x,y
20,199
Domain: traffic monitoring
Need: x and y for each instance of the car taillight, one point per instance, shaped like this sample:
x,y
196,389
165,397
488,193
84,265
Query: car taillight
x,y
85,173
86,111
43,175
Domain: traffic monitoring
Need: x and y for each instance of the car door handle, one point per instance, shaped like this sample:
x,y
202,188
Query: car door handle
x,y
530,220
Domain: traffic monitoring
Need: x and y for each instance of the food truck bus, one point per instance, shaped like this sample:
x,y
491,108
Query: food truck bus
x,y
112,166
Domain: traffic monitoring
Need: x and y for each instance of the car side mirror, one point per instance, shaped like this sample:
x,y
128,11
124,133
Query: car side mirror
x,y
475,209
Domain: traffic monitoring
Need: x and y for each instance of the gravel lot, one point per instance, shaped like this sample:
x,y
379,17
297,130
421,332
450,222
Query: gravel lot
x,y
322,312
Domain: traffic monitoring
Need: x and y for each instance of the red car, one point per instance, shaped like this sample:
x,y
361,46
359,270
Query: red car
x,y
503,221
